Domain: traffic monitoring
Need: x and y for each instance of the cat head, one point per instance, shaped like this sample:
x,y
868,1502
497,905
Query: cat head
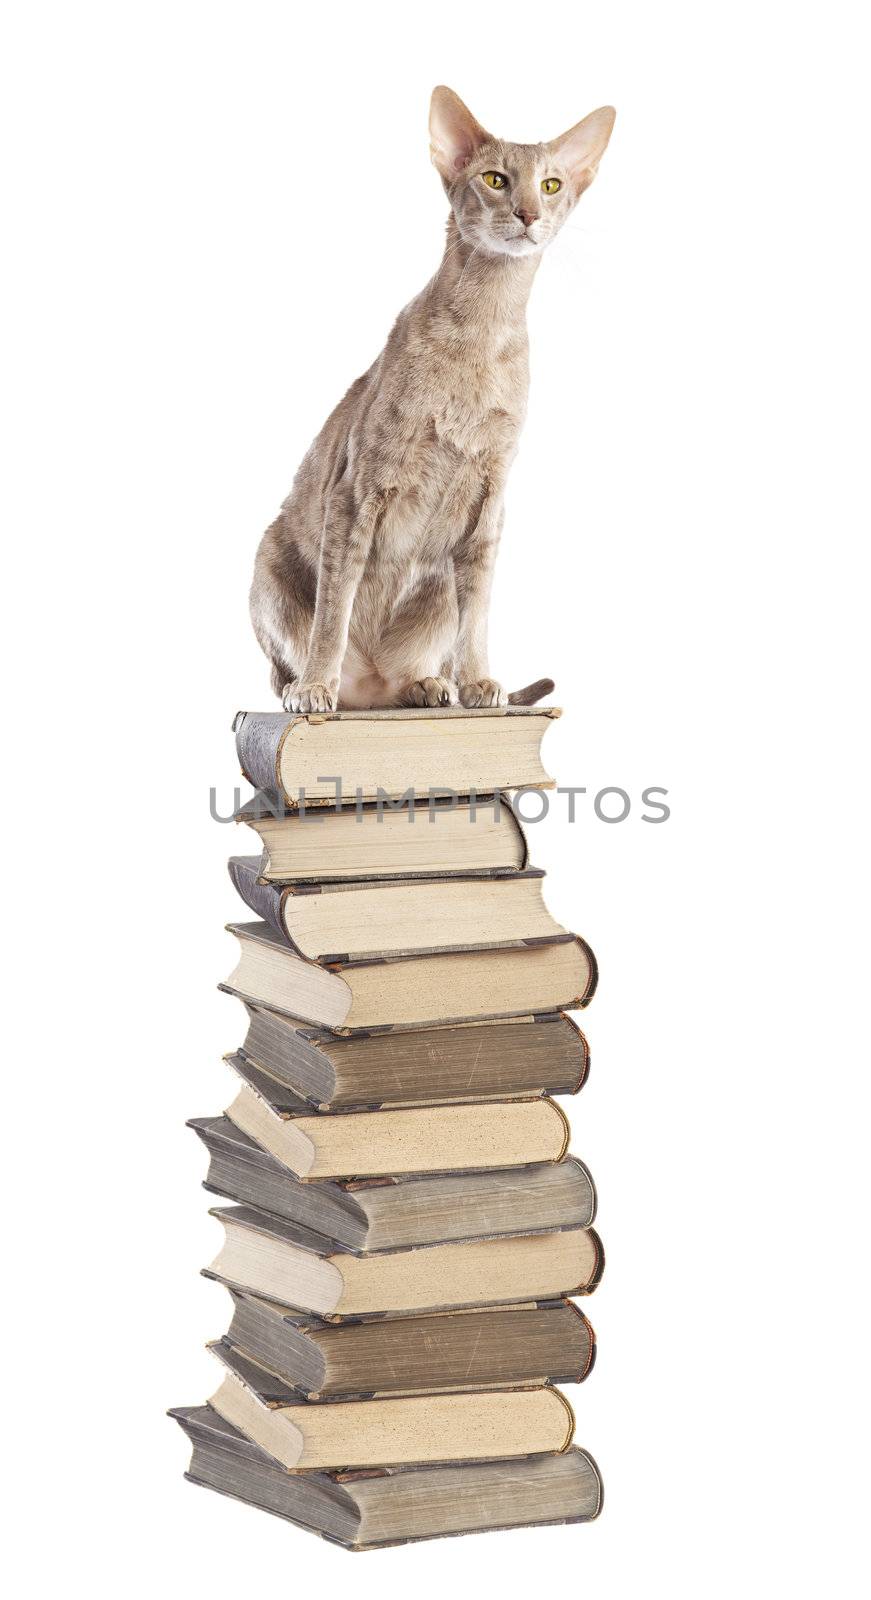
x,y
512,199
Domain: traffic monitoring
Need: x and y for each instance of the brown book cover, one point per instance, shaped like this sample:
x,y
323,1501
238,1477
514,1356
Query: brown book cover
x,y
545,1054
549,1341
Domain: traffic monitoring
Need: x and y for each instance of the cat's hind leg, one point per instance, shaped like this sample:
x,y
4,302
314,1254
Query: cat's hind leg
x,y
282,679
282,604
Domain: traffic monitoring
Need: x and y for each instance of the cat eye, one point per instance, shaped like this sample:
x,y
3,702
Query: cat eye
x,y
495,180
550,185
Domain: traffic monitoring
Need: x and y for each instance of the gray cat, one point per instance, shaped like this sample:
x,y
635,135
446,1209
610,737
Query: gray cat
x,y
372,587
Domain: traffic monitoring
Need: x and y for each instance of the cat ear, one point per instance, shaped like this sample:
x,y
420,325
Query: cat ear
x,y
582,148
454,133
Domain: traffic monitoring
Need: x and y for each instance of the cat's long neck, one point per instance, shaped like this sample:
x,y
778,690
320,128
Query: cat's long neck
x,y
479,289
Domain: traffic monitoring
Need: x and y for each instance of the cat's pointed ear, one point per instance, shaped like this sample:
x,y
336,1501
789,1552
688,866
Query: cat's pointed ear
x,y
454,133
582,148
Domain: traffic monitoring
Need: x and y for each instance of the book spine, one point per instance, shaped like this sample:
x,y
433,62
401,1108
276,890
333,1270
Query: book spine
x,y
262,898
512,817
592,981
258,739
288,1055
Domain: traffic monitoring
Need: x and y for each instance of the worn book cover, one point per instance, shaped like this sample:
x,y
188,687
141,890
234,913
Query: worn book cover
x,y
491,1060
386,1506
294,1266
547,1341
364,753
398,1210
411,991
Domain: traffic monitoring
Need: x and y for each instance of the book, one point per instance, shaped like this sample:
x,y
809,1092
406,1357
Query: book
x,y
305,1435
437,837
387,1213
333,922
548,1341
376,1508
545,1054
403,1227
298,1268
360,1144
364,752
410,991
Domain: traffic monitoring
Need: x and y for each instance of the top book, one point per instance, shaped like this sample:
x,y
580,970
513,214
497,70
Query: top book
x,y
351,755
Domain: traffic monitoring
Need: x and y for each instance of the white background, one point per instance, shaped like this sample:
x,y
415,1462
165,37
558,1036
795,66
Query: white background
x,y
213,213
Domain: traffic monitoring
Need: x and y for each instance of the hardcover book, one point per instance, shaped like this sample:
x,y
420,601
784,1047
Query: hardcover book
x,y
544,1054
333,922
372,1509
392,752
447,837
413,991
549,1341
298,1268
358,1144
306,1435
392,1212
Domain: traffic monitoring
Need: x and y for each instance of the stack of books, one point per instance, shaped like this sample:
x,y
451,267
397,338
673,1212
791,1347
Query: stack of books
x,y
407,1225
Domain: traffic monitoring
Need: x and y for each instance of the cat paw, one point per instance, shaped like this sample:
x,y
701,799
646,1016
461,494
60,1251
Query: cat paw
x,y
486,692
307,697
430,692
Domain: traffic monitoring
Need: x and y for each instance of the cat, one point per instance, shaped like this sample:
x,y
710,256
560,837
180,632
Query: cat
x,y
372,587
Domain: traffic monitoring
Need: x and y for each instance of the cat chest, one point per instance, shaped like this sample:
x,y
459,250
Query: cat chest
x,y
431,513
460,434
463,396
464,434
478,408
443,445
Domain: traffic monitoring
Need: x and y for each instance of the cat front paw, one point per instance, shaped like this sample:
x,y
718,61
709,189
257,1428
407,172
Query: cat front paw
x,y
430,692
307,697
486,692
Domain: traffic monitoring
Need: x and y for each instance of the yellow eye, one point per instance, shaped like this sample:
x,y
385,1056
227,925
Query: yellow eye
x,y
494,180
550,185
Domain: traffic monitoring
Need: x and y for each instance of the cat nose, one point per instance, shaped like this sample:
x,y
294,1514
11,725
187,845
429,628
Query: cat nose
x,y
526,217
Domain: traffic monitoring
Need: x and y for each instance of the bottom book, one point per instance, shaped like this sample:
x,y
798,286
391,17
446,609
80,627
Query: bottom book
x,y
367,1510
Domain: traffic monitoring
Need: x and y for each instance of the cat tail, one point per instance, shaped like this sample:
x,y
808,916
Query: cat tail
x,y
532,692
